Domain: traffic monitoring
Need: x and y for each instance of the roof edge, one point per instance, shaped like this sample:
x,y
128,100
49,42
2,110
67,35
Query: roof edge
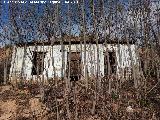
x,y
73,42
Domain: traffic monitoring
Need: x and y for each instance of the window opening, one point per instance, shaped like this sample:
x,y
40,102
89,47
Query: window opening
x,y
112,62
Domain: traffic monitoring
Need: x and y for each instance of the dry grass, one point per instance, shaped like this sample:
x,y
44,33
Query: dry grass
x,y
24,103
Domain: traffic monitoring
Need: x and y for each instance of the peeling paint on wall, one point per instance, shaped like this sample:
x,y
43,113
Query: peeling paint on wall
x,y
122,57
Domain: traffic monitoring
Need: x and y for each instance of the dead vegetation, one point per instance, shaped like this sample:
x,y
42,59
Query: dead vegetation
x,y
135,95
5,63
127,103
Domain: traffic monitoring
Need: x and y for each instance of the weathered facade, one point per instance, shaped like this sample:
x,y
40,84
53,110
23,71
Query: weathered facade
x,y
54,60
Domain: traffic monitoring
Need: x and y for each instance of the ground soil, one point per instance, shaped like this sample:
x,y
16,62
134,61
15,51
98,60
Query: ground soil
x,y
24,103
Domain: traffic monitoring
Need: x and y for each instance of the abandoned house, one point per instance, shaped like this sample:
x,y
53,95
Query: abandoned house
x,y
73,59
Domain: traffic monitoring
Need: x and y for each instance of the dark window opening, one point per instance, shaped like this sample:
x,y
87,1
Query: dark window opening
x,y
38,63
75,68
112,62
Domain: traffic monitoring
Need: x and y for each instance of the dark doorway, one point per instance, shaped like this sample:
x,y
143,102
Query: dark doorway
x,y
112,62
75,67
38,63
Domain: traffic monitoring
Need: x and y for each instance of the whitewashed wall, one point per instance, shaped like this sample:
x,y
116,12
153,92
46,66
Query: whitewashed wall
x,y
123,53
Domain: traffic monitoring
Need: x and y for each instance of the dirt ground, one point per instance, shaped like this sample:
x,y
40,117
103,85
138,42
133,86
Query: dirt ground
x,y
16,104
25,104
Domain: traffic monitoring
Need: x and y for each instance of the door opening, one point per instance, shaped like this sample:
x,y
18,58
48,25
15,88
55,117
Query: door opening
x,y
38,63
75,67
